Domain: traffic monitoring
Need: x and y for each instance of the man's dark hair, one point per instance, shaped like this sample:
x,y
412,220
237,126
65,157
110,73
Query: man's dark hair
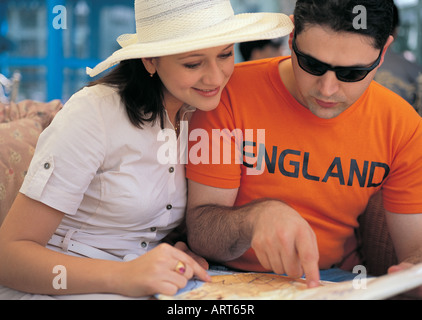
x,y
396,19
339,16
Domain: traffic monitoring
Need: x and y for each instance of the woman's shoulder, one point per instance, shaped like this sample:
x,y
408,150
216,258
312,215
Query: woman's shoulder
x,y
97,92
98,98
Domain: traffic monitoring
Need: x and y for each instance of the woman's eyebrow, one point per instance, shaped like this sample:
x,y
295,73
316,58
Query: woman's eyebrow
x,y
200,54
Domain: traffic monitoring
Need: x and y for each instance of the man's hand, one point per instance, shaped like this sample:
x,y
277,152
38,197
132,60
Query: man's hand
x,y
284,242
405,231
415,293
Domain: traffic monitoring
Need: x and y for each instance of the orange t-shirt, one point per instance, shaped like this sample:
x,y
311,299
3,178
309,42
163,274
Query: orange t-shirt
x,y
326,169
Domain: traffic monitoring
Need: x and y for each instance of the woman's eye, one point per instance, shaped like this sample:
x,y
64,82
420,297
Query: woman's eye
x,y
192,66
197,65
227,55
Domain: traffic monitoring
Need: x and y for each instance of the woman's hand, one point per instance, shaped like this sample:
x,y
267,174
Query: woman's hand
x,y
155,272
201,261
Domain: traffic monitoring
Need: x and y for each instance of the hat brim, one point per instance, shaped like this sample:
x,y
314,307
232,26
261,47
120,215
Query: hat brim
x,y
241,28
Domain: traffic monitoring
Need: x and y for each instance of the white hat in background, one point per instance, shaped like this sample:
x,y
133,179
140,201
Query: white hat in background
x,y
166,27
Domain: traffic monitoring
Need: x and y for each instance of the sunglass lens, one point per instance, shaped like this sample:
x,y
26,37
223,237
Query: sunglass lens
x,y
351,75
312,66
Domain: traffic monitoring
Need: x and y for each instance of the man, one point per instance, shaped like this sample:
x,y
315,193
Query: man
x,y
319,138
261,49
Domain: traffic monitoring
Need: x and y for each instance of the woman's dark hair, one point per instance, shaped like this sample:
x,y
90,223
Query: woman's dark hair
x,y
339,15
141,94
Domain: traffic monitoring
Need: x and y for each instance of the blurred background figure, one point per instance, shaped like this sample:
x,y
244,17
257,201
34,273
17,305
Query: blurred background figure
x,y
262,49
400,75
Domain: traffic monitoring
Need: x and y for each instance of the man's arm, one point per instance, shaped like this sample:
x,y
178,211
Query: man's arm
x,y
405,231
212,209
282,240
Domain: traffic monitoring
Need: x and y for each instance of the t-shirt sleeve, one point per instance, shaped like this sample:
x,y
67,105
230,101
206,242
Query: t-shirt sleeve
x,y
402,191
215,147
68,154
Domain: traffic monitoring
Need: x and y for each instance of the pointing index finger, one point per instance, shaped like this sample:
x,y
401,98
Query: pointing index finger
x,y
309,257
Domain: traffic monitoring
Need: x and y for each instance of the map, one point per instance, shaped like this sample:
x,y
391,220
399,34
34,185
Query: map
x,y
241,286
265,286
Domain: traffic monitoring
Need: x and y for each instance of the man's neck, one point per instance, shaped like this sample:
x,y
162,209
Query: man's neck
x,y
285,70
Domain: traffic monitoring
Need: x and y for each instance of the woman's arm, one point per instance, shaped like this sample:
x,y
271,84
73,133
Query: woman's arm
x,y
27,265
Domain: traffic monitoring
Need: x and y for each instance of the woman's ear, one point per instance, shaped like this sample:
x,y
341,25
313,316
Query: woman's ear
x,y
149,64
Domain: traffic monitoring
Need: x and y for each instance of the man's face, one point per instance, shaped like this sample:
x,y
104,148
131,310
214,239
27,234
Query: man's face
x,y
326,96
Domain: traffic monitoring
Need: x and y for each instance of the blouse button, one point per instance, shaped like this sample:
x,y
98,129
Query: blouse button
x,y
153,229
171,170
143,244
169,207
47,166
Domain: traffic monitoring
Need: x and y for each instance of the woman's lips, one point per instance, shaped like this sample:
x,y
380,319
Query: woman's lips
x,y
208,93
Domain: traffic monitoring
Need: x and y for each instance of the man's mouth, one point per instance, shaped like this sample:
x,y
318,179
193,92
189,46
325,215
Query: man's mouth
x,y
326,104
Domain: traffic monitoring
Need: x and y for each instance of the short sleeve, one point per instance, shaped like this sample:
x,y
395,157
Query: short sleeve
x,y
402,191
68,154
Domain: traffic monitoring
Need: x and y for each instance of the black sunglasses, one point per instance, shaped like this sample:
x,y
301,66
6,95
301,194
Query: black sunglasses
x,y
318,68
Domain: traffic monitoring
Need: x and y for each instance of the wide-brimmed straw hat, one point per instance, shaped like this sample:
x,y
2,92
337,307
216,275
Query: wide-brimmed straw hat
x,y
166,27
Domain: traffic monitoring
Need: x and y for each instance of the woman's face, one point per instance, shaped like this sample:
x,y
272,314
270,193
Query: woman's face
x,y
196,78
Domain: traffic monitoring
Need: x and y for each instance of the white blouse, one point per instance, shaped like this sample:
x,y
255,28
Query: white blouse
x,y
106,176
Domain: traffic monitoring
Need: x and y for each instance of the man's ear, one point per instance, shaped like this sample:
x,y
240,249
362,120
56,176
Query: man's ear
x,y
387,45
292,33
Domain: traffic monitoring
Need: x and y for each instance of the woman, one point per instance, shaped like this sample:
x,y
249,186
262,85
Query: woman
x,y
95,187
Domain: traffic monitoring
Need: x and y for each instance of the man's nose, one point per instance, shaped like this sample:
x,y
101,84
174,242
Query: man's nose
x,y
328,84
